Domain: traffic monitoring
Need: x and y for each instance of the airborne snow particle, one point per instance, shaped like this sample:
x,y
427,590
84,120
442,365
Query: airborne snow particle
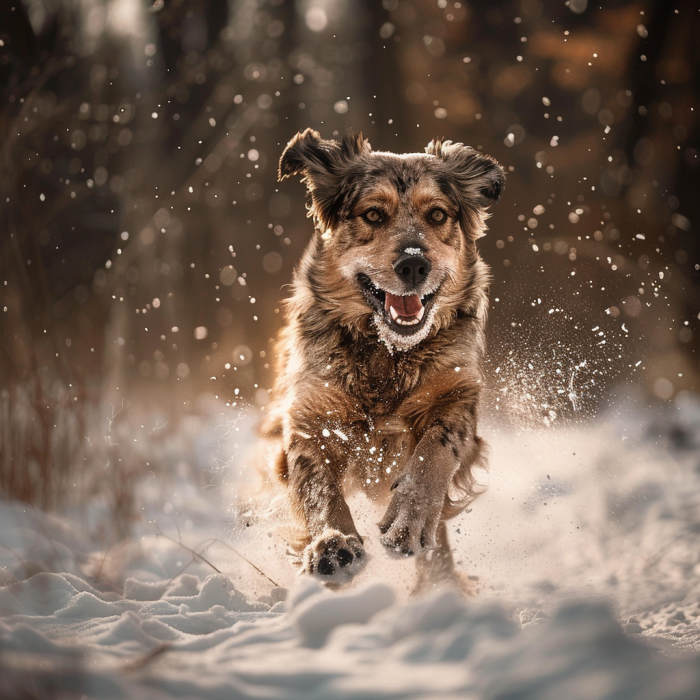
x,y
663,389
316,19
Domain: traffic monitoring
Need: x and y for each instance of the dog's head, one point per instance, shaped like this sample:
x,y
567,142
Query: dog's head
x,y
399,230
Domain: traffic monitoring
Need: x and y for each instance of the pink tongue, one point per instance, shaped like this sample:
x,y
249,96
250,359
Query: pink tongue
x,y
405,306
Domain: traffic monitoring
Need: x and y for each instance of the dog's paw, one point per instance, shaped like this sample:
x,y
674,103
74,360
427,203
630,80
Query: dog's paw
x,y
410,523
333,553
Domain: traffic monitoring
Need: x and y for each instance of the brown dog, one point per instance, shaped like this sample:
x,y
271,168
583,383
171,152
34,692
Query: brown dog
x,y
379,361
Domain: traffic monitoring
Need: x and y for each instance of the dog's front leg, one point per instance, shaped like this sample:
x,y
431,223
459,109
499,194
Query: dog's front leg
x,y
315,491
448,443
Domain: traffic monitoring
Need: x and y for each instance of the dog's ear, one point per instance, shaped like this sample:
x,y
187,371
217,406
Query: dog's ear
x,y
323,164
306,152
471,179
477,175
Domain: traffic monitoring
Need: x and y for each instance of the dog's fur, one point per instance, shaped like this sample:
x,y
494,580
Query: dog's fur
x,y
362,402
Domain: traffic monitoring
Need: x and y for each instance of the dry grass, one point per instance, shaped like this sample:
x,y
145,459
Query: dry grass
x,y
42,440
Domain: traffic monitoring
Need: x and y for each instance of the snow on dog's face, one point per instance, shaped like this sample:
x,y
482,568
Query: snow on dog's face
x,y
398,230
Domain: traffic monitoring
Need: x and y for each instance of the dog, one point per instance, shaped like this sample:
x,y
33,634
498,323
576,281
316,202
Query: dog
x,y
379,360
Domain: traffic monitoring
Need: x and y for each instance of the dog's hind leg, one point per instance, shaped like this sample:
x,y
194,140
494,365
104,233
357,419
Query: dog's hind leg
x,y
435,568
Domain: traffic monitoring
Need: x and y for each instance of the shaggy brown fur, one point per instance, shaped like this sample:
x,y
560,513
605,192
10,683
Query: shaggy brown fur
x,y
372,397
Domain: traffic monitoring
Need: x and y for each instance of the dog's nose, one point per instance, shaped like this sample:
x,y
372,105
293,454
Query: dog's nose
x,y
412,269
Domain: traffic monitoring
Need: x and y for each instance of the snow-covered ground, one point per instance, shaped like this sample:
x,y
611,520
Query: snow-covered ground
x,y
585,550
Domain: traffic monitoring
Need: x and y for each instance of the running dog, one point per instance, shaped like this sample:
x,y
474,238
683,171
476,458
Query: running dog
x,y
379,360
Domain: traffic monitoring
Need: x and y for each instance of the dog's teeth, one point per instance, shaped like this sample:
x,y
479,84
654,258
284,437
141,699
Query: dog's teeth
x,y
394,314
419,316
399,321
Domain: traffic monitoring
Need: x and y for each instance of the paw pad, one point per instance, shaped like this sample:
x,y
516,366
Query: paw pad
x,y
332,553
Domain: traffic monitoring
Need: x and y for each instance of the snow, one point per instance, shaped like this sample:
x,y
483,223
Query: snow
x,y
584,549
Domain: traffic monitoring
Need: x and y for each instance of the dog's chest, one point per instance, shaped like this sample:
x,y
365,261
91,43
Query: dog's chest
x,y
379,380
377,451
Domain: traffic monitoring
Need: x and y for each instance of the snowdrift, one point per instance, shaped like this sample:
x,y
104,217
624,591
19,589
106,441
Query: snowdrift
x,y
584,549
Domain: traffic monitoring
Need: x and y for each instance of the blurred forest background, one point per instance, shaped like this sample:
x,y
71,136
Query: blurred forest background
x,y
145,244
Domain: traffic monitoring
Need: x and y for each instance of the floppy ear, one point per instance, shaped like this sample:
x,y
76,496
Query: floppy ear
x,y
475,180
323,165
307,152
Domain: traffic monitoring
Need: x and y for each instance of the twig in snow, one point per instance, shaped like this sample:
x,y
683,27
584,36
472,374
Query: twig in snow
x,y
194,554
180,571
102,561
177,527
146,659
235,551
12,551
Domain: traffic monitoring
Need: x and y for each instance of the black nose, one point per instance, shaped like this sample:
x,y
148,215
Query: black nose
x,y
412,269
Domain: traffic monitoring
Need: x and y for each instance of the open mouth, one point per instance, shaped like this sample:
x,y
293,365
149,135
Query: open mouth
x,y
404,314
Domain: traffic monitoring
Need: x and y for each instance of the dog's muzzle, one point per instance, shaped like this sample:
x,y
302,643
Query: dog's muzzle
x,y
403,313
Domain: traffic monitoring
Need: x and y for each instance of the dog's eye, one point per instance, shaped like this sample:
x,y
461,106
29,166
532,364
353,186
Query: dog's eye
x,y
374,216
438,216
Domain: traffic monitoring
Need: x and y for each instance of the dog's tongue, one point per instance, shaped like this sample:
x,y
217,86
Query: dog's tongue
x,y
404,306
